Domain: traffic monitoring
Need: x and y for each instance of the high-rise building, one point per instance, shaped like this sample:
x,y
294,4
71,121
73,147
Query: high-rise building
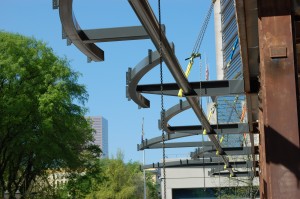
x,y
100,125
229,66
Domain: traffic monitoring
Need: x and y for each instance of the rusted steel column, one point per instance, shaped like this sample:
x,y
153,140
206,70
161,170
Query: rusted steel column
x,y
279,122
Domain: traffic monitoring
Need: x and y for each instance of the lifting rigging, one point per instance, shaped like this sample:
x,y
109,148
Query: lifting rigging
x,y
162,101
195,53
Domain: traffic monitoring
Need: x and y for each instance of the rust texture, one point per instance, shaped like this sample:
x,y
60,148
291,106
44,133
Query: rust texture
x,y
279,108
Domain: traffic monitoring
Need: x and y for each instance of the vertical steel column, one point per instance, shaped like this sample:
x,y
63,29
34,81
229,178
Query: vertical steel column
x,y
279,122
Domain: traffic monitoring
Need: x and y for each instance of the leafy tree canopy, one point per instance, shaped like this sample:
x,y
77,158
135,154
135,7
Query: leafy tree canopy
x,y
42,123
121,180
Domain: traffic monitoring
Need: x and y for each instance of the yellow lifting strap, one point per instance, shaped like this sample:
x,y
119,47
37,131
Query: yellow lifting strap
x,y
188,69
221,140
242,119
212,110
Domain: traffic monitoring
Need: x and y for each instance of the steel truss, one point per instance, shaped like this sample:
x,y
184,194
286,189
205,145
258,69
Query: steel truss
x,y
85,41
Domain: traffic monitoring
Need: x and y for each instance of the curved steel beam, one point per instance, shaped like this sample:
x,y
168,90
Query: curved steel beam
x,y
207,162
171,112
133,76
202,88
75,34
179,145
146,144
232,151
198,129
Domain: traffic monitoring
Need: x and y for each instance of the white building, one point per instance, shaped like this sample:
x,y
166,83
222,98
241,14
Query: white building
x,y
195,183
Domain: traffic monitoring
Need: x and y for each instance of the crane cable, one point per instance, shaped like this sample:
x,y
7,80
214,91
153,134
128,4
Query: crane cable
x,y
200,101
162,101
196,49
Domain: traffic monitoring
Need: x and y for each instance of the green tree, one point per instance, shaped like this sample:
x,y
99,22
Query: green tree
x,y
83,182
237,192
152,186
42,123
122,181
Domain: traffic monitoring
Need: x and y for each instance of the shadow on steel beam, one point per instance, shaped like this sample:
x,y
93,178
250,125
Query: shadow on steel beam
x,y
283,152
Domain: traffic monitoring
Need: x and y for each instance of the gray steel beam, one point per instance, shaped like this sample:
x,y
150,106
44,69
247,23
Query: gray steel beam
x,y
237,174
133,76
75,34
186,131
197,129
208,88
115,34
171,112
231,151
176,145
208,163
247,24
234,128
242,165
155,143
151,25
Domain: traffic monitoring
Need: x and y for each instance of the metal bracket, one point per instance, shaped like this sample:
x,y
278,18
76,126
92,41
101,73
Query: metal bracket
x,y
128,80
150,56
69,42
55,4
63,33
89,60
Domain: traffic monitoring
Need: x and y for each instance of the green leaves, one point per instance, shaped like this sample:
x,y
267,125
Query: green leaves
x,y
121,181
41,126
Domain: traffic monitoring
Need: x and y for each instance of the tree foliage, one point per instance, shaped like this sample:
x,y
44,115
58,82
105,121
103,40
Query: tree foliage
x,y
109,179
121,180
41,126
152,186
238,192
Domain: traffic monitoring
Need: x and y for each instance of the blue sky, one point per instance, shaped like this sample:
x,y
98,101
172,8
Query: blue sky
x,y
106,81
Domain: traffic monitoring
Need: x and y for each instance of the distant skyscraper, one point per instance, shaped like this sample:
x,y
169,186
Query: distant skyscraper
x,y
100,124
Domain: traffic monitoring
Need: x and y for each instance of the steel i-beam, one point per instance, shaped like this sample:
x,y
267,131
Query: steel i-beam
x,y
72,29
151,25
213,163
279,112
247,24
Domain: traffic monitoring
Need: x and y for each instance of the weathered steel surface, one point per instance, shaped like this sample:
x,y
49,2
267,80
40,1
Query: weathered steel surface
x,y
279,113
246,17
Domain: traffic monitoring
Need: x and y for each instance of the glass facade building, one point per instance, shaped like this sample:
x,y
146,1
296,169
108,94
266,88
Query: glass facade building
x,y
230,108
232,67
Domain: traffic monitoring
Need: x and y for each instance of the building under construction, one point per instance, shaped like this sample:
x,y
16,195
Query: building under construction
x,y
255,97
